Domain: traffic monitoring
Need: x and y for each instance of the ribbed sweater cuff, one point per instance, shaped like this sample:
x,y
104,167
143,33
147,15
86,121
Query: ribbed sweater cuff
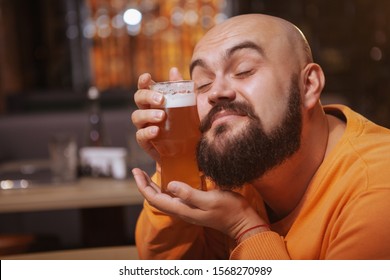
x,y
266,245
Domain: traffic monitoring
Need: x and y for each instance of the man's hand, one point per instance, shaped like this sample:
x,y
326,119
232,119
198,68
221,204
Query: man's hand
x,y
225,211
147,118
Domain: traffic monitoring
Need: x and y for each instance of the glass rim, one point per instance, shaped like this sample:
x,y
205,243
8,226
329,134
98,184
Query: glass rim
x,y
173,82
174,87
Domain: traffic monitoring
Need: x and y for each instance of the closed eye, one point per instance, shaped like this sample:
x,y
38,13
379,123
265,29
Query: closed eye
x,y
244,74
203,87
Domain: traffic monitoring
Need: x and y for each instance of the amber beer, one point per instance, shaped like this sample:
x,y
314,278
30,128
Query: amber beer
x,y
179,134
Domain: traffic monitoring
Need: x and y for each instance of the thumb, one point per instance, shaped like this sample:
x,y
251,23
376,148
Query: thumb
x,y
174,74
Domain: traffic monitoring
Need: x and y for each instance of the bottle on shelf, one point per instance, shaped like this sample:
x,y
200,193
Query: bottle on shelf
x,y
94,134
95,131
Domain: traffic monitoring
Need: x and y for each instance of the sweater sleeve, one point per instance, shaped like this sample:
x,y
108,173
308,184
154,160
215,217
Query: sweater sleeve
x,y
266,245
159,236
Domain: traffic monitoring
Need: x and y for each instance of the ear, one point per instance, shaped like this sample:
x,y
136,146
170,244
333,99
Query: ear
x,y
313,82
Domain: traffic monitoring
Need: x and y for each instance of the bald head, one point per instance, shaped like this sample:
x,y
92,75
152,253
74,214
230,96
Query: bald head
x,y
275,36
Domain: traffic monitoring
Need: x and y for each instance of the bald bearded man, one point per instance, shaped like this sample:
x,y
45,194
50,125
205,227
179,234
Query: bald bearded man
x,y
287,177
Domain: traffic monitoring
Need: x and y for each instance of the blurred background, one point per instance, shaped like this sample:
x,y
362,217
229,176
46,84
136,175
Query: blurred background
x,y
52,53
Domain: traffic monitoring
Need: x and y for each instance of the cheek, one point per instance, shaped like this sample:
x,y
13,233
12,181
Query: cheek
x,y
203,106
269,105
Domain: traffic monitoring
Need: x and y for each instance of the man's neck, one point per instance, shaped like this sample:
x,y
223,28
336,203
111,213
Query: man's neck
x,y
283,187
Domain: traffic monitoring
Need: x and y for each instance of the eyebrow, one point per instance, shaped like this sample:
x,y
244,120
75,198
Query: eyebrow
x,y
244,45
229,53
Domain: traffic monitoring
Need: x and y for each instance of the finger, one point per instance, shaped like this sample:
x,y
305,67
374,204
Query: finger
x,y
196,198
144,137
174,74
182,204
144,81
146,134
153,194
142,118
145,185
151,183
146,98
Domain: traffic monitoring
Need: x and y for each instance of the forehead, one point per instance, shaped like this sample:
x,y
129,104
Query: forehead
x,y
270,38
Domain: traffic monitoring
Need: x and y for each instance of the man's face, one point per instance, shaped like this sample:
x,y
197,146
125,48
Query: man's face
x,y
246,77
233,160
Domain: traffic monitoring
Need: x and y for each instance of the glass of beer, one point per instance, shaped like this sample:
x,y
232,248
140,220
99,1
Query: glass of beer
x,y
179,134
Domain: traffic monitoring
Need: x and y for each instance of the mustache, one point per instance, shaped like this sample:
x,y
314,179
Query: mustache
x,y
237,107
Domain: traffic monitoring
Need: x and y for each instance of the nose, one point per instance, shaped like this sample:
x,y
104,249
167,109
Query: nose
x,y
221,93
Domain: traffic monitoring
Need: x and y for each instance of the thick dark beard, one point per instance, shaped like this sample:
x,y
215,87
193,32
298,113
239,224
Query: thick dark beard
x,y
248,156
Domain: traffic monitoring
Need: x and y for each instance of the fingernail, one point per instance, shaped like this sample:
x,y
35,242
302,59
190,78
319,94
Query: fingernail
x,y
158,115
157,98
174,70
153,130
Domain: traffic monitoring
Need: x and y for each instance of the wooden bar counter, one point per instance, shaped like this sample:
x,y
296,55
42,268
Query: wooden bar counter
x,y
83,193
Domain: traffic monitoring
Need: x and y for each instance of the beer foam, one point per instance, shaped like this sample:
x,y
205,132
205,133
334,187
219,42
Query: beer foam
x,y
177,93
179,100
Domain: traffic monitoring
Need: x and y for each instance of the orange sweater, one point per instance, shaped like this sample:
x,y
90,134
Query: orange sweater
x,y
343,215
